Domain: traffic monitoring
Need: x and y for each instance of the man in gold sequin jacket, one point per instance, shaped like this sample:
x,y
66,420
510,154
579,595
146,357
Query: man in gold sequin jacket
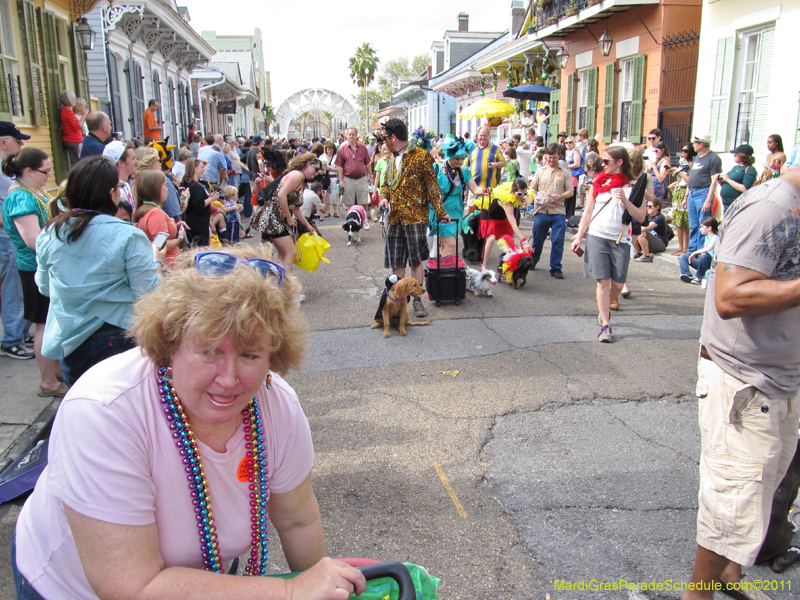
x,y
409,188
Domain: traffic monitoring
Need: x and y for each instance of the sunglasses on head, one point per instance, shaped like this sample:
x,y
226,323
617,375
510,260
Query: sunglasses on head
x,y
218,264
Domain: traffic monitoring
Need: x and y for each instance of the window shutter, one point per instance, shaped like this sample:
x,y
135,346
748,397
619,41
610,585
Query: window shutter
x,y
570,103
136,95
637,100
721,92
30,50
113,86
81,69
608,108
555,104
591,108
53,89
761,102
5,101
172,112
182,125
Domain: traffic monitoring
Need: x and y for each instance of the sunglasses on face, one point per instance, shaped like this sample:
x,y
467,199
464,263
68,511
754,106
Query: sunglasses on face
x,y
651,137
520,193
650,206
607,162
219,264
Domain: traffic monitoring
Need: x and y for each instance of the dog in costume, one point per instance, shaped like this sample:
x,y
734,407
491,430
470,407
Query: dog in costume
x,y
515,262
164,151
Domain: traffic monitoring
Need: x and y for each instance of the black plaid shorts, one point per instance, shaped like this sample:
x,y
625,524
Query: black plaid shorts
x,y
406,243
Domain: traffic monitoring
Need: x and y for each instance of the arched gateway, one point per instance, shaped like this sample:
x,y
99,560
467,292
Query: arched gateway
x,y
314,112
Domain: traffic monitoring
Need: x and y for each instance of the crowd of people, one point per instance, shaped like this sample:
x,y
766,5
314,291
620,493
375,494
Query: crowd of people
x,y
140,249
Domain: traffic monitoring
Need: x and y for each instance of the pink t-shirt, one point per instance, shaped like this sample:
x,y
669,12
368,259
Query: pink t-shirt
x,y
112,458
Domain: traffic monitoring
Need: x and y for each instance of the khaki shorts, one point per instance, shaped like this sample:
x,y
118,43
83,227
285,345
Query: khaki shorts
x,y
748,441
356,191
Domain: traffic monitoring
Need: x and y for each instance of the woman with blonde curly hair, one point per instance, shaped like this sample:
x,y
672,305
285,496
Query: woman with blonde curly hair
x,y
147,159
169,461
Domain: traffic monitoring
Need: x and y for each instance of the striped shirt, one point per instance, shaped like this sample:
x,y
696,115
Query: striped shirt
x,y
479,162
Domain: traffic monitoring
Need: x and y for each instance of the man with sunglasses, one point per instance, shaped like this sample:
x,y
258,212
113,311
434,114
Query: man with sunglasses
x,y
552,185
700,197
409,188
651,154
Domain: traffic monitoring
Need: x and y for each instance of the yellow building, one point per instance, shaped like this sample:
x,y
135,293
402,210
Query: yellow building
x,y
41,57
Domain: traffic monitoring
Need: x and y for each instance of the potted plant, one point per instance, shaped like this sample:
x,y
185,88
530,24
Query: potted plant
x,y
571,9
552,20
543,3
593,2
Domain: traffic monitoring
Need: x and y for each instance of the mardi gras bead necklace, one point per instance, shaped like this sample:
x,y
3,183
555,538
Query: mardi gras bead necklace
x,y
255,464
41,204
392,172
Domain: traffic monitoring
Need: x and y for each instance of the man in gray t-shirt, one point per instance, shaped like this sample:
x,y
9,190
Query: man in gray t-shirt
x,y
748,377
700,196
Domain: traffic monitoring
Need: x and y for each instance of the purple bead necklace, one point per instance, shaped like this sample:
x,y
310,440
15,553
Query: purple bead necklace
x,y
257,471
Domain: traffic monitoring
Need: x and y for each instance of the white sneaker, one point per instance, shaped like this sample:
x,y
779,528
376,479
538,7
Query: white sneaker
x,y
366,225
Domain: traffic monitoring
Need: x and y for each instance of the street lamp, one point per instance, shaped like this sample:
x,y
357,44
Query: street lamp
x,y
264,112
562,56
605,42
85,33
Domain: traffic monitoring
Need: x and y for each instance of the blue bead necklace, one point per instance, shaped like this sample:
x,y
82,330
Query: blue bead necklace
x,y
257,471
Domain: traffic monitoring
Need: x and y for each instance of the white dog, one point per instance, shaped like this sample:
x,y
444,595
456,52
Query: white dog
x,y
481,282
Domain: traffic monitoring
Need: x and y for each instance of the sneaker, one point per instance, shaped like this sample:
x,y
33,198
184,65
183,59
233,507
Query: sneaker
x,y
29,340
557,273
605,334
696,281
686,279
366,225
419,308
644,258
637,255
19,351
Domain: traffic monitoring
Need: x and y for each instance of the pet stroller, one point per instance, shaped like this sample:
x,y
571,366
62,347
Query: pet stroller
x,y
446,278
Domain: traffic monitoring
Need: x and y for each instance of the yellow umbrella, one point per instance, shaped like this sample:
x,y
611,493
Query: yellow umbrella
x,y
488,108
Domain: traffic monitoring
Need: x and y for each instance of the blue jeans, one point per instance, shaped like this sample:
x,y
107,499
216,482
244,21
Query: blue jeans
x,y
701,263
543,223
694,206
246,194
14,326
104,343
23,588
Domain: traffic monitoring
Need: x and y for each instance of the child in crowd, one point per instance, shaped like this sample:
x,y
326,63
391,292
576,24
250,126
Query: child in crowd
x,y
231,210
701,259
512,164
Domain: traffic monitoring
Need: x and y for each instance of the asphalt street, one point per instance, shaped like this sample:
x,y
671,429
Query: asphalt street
x,y
501,447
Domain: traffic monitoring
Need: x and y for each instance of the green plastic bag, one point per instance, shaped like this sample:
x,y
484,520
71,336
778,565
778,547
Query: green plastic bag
x,y
385,588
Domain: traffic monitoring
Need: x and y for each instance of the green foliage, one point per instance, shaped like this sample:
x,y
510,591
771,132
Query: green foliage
x,y
363,67
400,68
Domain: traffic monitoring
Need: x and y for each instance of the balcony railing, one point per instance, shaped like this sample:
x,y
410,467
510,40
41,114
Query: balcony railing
x,y
550,12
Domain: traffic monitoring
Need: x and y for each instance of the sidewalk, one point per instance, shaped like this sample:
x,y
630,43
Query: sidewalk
x,y
24,417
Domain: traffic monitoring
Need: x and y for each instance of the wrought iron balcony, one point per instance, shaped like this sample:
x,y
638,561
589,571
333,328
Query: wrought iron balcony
x,y
550,12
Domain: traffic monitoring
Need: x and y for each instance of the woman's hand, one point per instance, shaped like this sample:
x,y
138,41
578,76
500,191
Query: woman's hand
x,y
683,204
329,579
291,221
575,242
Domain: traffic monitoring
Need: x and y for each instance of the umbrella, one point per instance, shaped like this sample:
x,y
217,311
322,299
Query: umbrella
x,y
488,108
533,91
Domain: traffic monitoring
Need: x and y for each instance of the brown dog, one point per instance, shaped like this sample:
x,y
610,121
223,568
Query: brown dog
x,y
394,307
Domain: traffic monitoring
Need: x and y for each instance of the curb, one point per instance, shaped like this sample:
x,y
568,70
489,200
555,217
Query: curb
x,y
38,430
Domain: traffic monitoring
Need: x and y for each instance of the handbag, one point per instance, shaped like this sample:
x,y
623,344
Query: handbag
x,y
311,250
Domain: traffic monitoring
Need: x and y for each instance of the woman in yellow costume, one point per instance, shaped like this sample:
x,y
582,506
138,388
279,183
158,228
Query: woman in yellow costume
x,y
497,216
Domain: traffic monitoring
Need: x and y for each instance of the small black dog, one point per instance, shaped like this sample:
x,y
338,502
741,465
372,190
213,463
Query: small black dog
x,y
520,276
353,222
473,247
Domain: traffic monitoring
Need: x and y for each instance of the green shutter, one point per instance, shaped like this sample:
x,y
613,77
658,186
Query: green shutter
x,y
570,103
608,108
555,105
81,68
5,102
30,50
721,92
758,133
591,108
637,100
53,89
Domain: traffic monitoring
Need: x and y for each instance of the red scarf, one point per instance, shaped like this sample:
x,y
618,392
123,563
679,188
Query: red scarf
x,y
605,183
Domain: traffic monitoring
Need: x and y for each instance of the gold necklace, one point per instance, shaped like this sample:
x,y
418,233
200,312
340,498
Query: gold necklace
x,y
41,204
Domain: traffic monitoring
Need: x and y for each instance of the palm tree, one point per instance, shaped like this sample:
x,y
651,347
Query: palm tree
x,y
269,116
362,71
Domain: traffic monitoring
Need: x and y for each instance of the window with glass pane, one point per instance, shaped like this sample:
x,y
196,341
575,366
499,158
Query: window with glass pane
x,y
8,54
583,97
750,52
625,97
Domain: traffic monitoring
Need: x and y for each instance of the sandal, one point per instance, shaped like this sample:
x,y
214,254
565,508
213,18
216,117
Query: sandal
x,y
744,589
677,253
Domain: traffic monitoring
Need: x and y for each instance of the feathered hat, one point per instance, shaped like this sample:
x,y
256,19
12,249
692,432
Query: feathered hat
x,y
163,151
457,147
422,138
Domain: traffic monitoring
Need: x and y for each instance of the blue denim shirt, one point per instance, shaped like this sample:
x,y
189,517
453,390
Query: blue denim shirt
x,y
91,281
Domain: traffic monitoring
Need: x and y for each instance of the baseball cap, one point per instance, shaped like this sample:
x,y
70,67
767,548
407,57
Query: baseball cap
x,y
9,129
114,150
508,140
395,126
257,139
743,149
560,133
703,137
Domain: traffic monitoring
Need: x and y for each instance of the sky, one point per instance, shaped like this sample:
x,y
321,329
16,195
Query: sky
x,y
308,44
